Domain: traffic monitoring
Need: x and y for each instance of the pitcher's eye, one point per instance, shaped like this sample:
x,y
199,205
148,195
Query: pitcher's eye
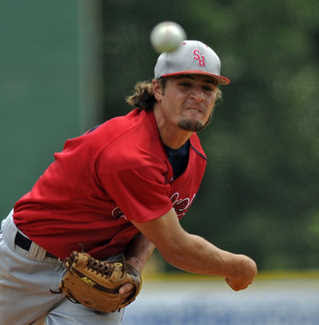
x,y
208,88
185,84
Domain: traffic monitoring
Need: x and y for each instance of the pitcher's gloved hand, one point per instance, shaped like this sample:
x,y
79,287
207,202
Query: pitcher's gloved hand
x,y
105,286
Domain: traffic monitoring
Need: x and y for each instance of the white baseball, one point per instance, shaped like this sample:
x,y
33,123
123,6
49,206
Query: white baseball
x,y
167,36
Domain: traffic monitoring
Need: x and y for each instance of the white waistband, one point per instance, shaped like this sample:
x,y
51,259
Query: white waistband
x,y
10,230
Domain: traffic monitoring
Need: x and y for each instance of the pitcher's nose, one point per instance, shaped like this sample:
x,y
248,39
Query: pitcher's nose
x,y
197,94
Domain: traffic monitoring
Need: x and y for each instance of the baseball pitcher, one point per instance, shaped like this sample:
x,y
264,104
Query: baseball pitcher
x,y
73,248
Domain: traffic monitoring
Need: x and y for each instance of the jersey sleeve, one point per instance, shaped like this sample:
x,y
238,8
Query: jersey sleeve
x,y
141,192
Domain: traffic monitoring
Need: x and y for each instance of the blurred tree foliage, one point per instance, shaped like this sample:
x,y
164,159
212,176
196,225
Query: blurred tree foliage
x,y
259,195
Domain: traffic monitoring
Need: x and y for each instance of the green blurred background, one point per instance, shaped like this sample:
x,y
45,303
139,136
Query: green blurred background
x,y
68,65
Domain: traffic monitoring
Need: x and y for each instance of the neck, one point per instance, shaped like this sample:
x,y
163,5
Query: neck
x,y
171,134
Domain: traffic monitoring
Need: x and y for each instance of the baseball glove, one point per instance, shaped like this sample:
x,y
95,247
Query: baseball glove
x,y
95,284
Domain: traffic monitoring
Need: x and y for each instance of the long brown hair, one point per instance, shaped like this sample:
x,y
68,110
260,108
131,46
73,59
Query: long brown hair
x,y
143,95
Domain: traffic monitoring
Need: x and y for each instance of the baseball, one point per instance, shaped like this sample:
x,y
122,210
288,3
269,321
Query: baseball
x,y
167,36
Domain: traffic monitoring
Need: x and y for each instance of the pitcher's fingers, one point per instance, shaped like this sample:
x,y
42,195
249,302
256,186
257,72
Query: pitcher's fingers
x,y
126,288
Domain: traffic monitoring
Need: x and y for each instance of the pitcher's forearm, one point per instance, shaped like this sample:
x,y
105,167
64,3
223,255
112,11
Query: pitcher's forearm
x,y
139,252
194,254
197,255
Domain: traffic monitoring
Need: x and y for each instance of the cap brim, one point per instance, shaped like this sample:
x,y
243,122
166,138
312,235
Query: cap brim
x,y
220,79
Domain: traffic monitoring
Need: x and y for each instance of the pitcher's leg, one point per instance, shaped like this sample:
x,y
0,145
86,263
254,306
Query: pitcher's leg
x,y
25,284
68,313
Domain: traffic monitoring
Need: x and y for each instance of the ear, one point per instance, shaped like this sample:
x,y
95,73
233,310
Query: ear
x,y
157,90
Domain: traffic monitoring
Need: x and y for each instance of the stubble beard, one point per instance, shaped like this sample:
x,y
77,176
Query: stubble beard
x,y
194,126
191,125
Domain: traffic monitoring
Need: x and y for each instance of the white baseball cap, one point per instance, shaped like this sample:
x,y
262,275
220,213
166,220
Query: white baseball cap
x,y
192,57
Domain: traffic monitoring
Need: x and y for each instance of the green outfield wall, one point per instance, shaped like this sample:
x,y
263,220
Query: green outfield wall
x,y
48,86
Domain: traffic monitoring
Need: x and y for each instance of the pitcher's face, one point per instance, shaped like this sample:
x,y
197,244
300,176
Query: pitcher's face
x,y
187,101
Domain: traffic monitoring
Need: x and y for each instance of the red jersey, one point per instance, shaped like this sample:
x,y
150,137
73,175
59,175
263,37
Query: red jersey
x,y
101,181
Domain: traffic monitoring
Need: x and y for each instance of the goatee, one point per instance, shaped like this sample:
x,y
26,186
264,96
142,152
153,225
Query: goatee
x,y
191,125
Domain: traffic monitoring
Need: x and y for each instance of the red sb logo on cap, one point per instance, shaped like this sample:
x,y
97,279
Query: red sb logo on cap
x,y
200,58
